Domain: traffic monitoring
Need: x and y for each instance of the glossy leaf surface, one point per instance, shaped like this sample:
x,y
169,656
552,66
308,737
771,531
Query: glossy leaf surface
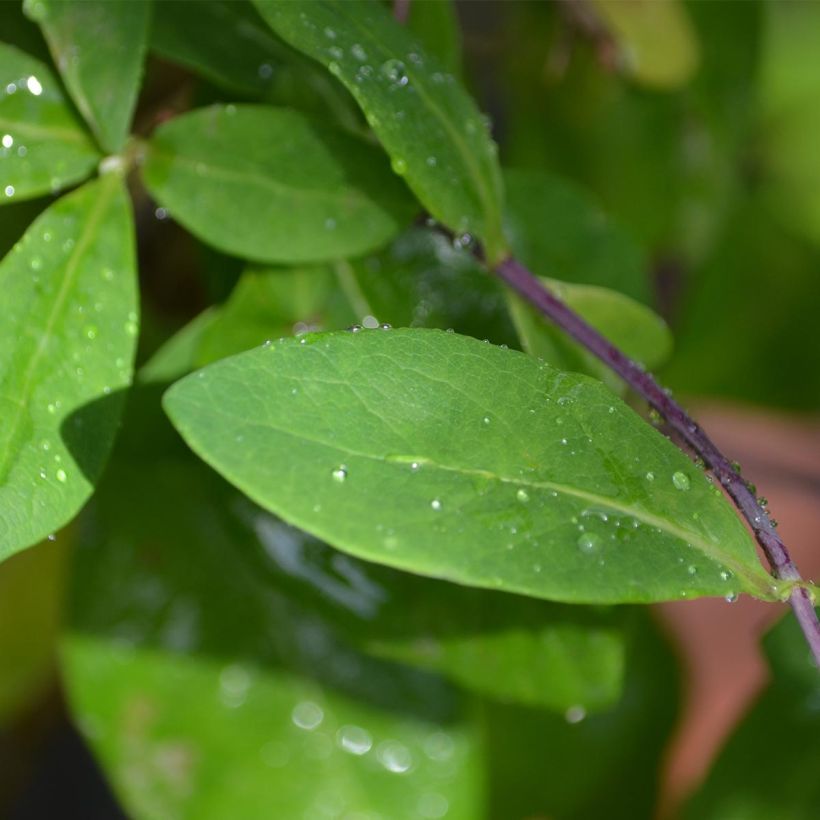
x,y
98,46
302,193
427,123
441,455
66,353
633,327
786,717
43,147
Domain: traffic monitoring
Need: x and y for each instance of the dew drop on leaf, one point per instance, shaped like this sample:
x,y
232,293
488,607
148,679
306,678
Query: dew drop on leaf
x,y
339,474
588,542
680,480
394,71
522,495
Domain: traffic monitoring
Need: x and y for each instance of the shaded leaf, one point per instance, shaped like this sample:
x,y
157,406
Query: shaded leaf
x,y
427,123
435,23
634,328
441,455
70,329
785,718
98,46
303,193
43,148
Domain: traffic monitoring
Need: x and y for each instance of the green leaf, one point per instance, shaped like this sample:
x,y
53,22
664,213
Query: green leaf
x,y
422,279
559,231
631,326
427,123
785,718
98,46
43,148
435,23
70,329
656,40
297,191
192,737
444,456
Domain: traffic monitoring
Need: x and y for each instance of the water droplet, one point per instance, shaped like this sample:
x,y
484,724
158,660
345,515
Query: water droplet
x,y
395,72
588,542
52,536
307,715
522,495
161,214
731,598
435,504
680,480
433,806
90,332
8,140
415,466
61,476
692,569
340,474
725,576
355,328
575,714
354,739
34,86
650,476
330,33
385,326
431,161
265,71
9,190
358,52
394,756
370,322
398,165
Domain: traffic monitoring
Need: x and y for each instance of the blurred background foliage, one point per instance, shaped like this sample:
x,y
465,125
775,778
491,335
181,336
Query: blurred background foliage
x,y
664,150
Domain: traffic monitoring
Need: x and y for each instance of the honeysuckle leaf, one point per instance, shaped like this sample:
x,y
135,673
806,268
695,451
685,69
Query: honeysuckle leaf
x,y
428,124
304,193
98,47
444,456
43,148
66,353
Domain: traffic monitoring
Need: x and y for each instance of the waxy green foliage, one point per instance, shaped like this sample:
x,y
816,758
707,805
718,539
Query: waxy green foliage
x,y
98,47
66,353
444,456
302,193
43,148
431,128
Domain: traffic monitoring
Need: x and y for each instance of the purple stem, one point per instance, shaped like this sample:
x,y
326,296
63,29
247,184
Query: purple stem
x,y
401,10
533,291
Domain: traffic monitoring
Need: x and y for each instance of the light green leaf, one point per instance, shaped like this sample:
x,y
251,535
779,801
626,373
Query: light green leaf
x,y
656,40
427,123
98,46
192,737
444,456
629,325
298,192
786,717
66,352
559,231
43,148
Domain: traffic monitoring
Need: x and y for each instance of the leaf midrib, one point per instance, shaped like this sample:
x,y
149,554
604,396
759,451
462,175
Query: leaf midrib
x,y
33,131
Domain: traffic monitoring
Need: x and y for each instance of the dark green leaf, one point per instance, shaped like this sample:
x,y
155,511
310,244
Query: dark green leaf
x,y
270,185
558,231
70,325
769,766
435,23
441,455
42,146
634,328
98,46
427,123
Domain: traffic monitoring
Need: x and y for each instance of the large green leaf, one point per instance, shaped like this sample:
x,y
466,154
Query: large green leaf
x,y
98,46
436,453
777,742
42,146
425,120
268,184
633,327
66,352
191,737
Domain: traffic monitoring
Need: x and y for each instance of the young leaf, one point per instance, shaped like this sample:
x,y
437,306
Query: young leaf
x,y
271,185
786,717
444,456
182,736
425,120
42,146
98,46
633,327
66,352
